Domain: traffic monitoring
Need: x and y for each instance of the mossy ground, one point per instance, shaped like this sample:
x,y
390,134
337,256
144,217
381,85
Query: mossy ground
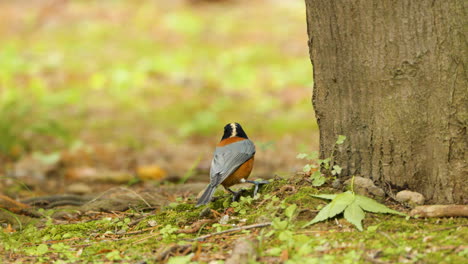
x,y
132,236
157,74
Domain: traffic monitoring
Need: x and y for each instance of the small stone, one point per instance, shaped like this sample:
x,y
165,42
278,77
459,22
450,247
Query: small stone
x,y
412,198
224,220
152,223
121,232
366,187
78,188
337,184
244,250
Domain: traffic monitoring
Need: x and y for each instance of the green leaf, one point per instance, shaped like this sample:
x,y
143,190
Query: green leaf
x,y
337,205
373,206
278,224
336,170
353,207
324,161
324,196
354,214
318,181
316,174
289,212
322,215
313,155
285,235
341,139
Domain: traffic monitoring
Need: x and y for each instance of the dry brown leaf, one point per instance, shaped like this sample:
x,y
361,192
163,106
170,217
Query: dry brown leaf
x,y
151,172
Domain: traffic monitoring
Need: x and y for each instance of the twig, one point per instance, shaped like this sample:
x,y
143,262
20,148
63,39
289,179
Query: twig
x,y
102,194
389,238
137,194
136,221
388,191
195,227
119,188
447,228
140,231
338,223
147,237
173,250
232,230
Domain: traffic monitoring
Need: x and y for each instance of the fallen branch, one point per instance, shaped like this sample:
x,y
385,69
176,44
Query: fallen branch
x,y
451,210
201,238
56,200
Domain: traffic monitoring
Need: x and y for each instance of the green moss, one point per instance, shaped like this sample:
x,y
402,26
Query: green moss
x,y
303,197
184,207
391,238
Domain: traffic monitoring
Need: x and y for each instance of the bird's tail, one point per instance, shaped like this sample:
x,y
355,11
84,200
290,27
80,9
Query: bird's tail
x,y
206,196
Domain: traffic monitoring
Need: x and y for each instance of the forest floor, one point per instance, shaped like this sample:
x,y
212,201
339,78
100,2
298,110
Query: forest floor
x,y
153,225
110,111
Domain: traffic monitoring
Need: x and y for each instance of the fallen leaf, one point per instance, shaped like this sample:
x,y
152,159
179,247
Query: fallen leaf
x,y
151,172
284,255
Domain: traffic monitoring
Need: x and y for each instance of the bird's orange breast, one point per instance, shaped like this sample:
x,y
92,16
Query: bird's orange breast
x,y
242,172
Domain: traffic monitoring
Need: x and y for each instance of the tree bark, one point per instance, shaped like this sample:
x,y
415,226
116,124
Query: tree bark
x,y
391,76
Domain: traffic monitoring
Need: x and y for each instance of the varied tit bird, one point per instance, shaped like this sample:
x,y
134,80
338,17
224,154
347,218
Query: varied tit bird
x,y
232,162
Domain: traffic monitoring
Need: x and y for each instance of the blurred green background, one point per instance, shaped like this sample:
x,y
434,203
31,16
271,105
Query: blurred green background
x,y
152,73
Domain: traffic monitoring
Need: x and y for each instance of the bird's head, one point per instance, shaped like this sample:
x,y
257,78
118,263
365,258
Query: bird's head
x,y
233,130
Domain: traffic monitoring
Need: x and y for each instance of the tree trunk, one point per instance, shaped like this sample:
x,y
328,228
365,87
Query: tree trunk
x,y
391,76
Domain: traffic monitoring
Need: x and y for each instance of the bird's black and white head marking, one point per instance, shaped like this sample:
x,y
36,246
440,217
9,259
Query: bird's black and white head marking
x,y
233,130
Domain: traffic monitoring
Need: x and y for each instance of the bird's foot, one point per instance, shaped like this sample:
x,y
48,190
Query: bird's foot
x,y
257,184
215,198
236,195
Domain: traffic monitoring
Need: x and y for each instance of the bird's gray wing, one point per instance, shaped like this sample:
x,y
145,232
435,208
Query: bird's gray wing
x,y
228,158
